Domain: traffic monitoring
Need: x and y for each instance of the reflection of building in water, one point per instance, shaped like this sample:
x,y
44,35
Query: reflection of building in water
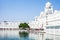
x,y
6,24
37,36
48,17
14,35
9,34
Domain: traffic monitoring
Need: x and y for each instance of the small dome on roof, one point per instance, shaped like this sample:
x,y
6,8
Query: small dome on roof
x,y
48,5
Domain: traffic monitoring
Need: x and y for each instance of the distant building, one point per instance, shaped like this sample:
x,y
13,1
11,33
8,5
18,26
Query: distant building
x,y
10,24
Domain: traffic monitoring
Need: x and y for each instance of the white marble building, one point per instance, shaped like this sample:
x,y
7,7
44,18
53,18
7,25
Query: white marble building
x,y
48,17
9,24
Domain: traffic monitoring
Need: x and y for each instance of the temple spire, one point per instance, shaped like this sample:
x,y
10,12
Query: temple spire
x,y
48,5
48,8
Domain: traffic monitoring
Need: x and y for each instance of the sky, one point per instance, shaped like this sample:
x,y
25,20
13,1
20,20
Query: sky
x,y
23,10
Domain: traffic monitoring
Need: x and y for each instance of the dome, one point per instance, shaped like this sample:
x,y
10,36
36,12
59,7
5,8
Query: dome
x,y
48,5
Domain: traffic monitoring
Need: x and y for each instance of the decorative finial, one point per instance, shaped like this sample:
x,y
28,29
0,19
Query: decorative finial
x,y
48,5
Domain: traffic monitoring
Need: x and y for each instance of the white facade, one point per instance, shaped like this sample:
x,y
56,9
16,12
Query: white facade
x,y
48,17
6,24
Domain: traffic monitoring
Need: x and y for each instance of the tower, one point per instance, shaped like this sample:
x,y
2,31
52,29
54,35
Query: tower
x,y
48,8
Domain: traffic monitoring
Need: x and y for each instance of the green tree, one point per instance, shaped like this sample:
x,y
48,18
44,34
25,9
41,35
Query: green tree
x,y
24,25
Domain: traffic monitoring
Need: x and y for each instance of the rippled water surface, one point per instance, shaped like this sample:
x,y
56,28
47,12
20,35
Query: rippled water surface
x,y
17,35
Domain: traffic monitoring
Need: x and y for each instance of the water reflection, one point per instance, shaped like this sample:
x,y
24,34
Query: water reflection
x,y
23,34
17,35
42,35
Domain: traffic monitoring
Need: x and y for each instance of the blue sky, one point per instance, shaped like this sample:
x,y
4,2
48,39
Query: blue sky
x,y
23,10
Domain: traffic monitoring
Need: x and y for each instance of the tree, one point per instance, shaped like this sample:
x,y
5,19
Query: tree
x,y
24,25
